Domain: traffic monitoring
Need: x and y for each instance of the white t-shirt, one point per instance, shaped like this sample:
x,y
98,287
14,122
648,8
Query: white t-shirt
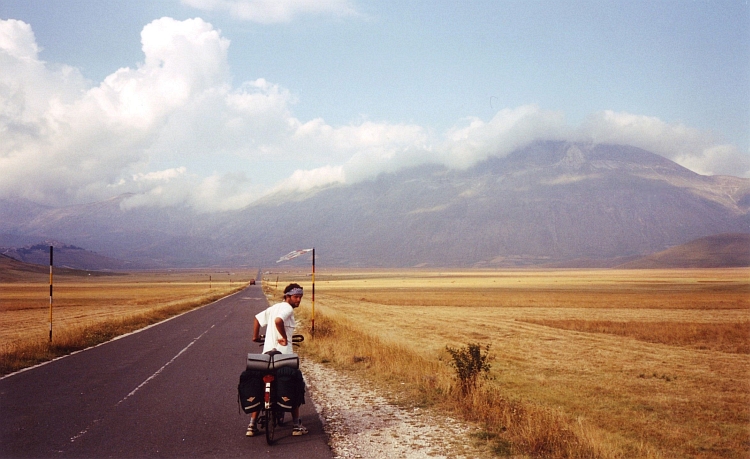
x,y
267,319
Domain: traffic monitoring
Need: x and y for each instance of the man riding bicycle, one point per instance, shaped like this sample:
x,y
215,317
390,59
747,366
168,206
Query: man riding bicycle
x,y
280,324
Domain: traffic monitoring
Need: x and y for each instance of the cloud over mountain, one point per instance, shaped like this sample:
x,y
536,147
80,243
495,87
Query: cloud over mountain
x,y
176,130
549,203
688,147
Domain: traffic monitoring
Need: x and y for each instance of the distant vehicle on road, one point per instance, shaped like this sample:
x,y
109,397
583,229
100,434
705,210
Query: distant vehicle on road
x,y
252,281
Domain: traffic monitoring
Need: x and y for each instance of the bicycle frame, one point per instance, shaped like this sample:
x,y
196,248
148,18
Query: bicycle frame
x,y
270,417
268,379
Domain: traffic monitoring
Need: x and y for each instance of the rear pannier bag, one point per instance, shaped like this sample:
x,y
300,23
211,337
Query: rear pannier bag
x,y
290,388
250,390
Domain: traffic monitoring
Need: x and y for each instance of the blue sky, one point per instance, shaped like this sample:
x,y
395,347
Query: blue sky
x,y
214,103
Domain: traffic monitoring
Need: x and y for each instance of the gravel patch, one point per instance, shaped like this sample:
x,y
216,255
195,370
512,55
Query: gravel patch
x,y
362,424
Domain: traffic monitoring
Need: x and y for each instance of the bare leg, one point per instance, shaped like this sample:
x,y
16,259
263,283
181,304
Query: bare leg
x,y
252,429
298,428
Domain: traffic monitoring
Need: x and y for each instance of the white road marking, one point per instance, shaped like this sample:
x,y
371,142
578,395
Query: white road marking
x,y
163,367
84,431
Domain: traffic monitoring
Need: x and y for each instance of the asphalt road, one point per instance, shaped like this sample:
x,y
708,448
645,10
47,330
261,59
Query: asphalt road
x,y
166,391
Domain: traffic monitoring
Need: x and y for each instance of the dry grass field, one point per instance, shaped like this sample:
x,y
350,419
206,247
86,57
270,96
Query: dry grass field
x,y
89,309
602,363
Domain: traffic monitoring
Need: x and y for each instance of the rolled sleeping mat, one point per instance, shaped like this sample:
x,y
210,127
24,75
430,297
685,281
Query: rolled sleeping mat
x,y
259,362
285,360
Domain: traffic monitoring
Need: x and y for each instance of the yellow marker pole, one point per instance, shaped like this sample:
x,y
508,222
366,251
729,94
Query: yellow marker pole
x,y
50,294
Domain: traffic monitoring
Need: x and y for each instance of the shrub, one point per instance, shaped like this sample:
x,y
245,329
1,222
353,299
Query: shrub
x,y
469,362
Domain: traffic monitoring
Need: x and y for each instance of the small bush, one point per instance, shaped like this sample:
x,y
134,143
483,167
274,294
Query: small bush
x,y
469,362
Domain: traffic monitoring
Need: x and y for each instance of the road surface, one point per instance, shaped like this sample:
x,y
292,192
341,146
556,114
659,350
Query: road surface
x,y
167,391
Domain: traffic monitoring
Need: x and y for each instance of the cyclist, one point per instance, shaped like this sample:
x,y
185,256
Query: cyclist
x,y
280,324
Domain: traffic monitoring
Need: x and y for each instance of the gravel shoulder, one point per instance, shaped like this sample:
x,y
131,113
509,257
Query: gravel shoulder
x,y
360,423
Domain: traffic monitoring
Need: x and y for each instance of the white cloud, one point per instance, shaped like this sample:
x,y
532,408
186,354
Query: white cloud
x,y
715,160
507,131
273,11
302,180
372,148
182,60
175,131
691,148
223,192
64,141
159,176
17,40
369,149
173,187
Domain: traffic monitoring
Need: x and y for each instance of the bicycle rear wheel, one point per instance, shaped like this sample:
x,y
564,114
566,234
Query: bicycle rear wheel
x,y
270,425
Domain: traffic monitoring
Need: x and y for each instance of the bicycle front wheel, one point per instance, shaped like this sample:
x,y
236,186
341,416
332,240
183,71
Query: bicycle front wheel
x,y
270,426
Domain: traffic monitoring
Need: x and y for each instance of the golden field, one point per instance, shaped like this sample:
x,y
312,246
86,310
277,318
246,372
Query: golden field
x,y
585,363
599,363
87,310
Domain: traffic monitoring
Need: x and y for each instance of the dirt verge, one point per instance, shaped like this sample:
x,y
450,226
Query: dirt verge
x,y
362,424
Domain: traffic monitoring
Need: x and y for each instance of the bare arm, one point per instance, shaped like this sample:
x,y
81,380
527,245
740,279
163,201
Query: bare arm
x,y
279,322
256,331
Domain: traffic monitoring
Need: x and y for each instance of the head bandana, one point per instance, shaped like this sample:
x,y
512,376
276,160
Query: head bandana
x,y
294,291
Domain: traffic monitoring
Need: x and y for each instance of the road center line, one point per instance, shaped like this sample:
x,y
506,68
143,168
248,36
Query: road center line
x,y
85,431
163,367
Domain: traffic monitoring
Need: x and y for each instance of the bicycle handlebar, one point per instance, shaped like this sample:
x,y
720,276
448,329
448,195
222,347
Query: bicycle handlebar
x,y
296,339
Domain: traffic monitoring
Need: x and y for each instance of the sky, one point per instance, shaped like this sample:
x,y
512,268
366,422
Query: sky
x,y
213,104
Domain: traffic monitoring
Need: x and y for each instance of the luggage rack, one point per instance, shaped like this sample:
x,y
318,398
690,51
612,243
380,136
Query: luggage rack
x,y
272,360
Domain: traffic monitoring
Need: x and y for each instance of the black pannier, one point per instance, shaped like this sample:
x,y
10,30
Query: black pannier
x,y
250,390
290,388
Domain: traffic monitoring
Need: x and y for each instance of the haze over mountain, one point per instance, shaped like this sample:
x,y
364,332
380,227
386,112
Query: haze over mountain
x,y
720,251
550,202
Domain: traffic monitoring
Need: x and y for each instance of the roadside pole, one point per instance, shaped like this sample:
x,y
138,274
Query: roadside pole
x,y
50,294
312,322
295,254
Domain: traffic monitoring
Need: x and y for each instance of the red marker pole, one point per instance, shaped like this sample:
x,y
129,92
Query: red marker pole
x,y
312,322
50,294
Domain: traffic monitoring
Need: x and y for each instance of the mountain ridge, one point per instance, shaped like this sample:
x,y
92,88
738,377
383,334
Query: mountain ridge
x,y
550,202
547,203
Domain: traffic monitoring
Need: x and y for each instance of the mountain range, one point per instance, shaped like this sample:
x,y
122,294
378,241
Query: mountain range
x,y
548,204
66,256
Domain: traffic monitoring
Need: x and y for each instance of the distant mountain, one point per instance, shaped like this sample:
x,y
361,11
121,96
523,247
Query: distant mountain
x,y
12,270
548,203
67,256
719,251
551,203
144,236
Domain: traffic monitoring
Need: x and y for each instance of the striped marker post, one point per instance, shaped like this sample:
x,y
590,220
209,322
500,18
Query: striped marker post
x,y
50,294
312,322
